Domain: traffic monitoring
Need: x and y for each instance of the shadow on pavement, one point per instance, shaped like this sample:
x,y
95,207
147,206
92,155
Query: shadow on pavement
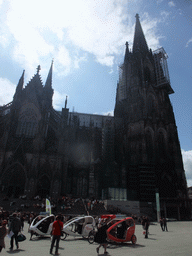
x,y
116,246
108,254
74,239
15,251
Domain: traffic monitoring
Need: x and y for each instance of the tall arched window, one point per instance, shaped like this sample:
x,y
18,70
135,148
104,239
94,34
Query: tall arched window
x,y
149,146
161,146
151,107
56,188
147,75
82,184
43,186
27,124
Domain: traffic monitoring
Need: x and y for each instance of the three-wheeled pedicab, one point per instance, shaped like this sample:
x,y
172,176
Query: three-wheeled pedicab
x,y
79,226
119,231
122,231
42,225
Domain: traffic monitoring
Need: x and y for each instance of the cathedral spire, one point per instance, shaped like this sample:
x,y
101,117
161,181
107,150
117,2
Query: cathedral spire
x,y
20,85
48,90
139,44
126,53
48,83
66,102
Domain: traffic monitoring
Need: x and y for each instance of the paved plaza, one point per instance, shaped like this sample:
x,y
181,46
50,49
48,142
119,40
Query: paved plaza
x,y
177,241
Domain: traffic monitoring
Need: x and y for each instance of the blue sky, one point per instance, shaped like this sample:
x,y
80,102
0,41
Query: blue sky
x,y
87,39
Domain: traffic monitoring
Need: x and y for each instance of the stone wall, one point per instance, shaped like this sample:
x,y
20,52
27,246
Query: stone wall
x,y
129,207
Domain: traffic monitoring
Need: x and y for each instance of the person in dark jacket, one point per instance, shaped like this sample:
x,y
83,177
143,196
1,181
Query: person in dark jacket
x,y
161,223
101,237
146,224
3,232
15,227
165,224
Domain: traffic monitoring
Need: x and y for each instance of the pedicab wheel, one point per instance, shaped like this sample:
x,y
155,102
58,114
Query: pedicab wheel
x,y
91,237
134,239
64,235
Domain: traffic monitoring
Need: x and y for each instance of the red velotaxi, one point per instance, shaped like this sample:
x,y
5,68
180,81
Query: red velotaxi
x,y
122,231
108,216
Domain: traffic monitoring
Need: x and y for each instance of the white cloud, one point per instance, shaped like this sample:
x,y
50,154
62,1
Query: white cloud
x,y
79,60
165,14
109,113
96,27
7,90
187,160
190,41
149,28
171,4
64,60
58,100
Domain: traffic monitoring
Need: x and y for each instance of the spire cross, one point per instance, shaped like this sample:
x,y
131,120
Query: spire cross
x,y
66,102
38,69
127,44
137,16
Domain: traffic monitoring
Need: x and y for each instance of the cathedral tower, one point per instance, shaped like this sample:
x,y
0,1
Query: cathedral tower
x,y
146,140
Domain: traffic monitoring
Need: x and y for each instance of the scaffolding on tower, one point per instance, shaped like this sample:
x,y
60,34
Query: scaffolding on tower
x,y
122,90
161,69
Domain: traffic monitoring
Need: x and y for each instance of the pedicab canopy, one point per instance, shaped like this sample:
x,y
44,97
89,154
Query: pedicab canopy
x,y
107,216
122,230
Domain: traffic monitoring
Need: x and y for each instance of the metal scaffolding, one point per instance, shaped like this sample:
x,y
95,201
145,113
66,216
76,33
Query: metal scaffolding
x,y
122,90
161,69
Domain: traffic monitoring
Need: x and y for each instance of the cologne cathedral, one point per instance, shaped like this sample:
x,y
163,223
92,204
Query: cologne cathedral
x,y
136,152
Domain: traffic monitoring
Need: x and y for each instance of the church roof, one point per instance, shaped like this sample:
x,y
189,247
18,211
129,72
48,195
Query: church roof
x,y
34,88
36,80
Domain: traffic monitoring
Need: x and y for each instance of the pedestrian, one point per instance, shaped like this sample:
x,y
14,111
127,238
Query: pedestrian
x,y
161,223
15,227
101,237
56,234
165,224
30,220
146,226
22,219
3,233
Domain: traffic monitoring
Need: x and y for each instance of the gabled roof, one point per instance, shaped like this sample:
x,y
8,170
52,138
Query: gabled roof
x,y
36,80
34,88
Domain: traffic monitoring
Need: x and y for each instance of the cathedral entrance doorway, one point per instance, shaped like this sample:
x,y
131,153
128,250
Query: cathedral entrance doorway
x,y
82,184
43,186
14,181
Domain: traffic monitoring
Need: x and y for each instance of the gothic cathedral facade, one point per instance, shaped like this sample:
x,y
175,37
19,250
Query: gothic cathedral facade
x,y
49,152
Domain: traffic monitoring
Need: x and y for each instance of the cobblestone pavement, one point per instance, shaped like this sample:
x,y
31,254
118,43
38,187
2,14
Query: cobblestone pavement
x,y
177,241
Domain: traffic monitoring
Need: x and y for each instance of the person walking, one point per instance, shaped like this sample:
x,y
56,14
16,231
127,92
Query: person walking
x,y
3,233
56,234
101,237
146,226
165,224
15,227
161,223
22,219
